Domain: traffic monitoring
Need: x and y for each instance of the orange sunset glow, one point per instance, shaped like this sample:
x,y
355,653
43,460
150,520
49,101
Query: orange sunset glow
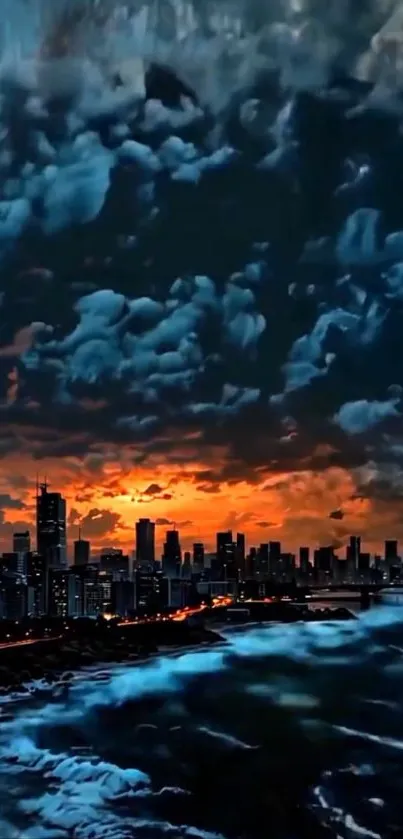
x,y
106,498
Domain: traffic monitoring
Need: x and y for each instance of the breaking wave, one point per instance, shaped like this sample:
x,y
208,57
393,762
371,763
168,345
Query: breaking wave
x,y
293,726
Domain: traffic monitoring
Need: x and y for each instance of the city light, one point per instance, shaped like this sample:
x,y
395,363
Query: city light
x,y
178,586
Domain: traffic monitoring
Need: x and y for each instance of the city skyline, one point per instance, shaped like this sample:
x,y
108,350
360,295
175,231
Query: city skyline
x,y
102,525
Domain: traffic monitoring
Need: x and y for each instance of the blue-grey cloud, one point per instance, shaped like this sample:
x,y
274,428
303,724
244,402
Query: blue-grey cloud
x,y
219,256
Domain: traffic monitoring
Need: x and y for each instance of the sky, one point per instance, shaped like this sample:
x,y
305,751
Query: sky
x,y
201,270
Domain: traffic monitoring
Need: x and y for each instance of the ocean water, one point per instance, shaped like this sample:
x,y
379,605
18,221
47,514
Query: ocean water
x,y
257,736
179,261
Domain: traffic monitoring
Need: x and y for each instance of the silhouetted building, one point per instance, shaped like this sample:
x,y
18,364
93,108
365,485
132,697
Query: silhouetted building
x,y
364,562
63,588
353,552
274,557
263,560
93,593
13,596
22,542
14,563
251,563
198,557
186,569
323,562
304,564
240,553
89,594
395,573
51,526
391,551
116,563
172,554
181,593
152,592
22,546
145,543
340,567
38,583
123,598
225,564
82,551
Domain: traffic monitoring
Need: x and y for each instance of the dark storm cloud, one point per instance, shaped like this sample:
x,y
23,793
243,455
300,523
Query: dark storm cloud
x,y
380,481
7,502
153,489
97,523
208,488
225,263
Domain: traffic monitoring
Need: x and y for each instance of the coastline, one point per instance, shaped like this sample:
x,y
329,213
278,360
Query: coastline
x,y
57,660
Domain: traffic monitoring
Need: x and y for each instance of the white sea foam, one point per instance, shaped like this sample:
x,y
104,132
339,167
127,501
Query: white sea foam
x,y
218,46
80,793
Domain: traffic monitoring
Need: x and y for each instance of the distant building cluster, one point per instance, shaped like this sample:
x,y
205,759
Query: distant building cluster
x,y
41,582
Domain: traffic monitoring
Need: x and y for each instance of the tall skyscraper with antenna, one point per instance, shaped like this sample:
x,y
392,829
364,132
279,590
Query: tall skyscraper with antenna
x,y
51,526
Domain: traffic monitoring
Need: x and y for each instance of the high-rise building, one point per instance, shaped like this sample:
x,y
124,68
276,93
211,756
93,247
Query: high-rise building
x,y
123,597
224,567
13,563
274,557
198,557
13,596
353,551
172,554
63,593
391,550
364,563
38,583
263,560
51,526
251,563
114,562
304,564
82,551
240,553
186,569
22,546
152,592
145,543
323,562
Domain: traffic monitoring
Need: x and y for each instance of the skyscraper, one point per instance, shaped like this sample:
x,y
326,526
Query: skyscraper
x,y
172,555
240,553
21,547
304,560
391,550
274,557
226,552
51,526
198,557
145,542
82,551
353,552
21,542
